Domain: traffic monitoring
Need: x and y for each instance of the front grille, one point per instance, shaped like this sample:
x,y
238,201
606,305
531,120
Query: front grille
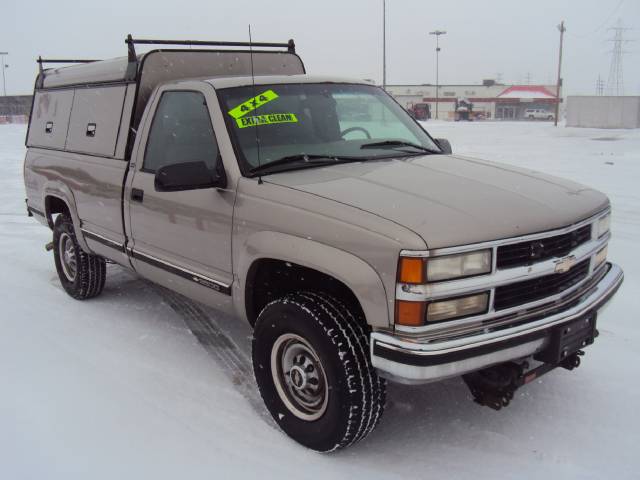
x,y
535,289
532,251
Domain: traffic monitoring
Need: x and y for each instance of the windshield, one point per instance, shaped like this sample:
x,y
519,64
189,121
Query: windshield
x,y
293,123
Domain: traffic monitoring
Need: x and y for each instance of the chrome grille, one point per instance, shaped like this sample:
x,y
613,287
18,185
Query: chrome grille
x,y
533,251
527,291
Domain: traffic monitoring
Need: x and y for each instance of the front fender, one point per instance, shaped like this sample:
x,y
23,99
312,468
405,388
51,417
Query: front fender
x,y
355,273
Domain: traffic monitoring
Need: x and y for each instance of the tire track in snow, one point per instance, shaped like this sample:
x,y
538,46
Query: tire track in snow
x,y
234,364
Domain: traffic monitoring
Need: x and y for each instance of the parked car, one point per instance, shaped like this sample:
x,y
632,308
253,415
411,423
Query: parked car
x,y
538,114
358,250
420,111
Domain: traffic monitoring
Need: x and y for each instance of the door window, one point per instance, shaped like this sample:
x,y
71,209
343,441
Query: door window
x,y
181,132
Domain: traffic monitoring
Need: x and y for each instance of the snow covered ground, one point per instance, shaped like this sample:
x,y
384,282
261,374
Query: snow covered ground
x,y
121,387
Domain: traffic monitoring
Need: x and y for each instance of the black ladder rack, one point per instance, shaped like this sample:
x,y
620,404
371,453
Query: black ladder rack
x,y
133,58
290,45
132,68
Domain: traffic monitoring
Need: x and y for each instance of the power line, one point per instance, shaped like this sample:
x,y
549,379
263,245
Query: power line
x,y
606,21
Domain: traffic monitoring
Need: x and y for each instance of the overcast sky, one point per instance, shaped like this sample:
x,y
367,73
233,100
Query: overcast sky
x,y
344,37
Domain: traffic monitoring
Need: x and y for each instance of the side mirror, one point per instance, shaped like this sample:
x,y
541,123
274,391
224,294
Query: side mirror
x,y
188,176
444,145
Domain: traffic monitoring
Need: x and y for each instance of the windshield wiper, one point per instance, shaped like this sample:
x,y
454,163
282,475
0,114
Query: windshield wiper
x,y
397,143
304,159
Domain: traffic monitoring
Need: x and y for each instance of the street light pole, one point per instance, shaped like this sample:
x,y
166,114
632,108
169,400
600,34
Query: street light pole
x,y
4,83
384,45
437,33
562,30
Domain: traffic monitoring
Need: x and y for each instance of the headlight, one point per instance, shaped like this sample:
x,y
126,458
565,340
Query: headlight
x,y
460,265
457,307
600,257
603,224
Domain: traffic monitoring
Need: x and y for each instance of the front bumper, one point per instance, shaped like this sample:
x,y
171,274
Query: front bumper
x,y
408,361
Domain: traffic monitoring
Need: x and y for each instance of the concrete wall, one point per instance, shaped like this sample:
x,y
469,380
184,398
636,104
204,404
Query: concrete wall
x,y
603,112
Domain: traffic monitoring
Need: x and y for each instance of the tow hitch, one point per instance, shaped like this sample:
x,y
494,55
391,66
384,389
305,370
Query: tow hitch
x,y
495,386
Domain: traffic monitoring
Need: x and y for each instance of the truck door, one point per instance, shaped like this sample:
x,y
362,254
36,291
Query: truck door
x,y
180,239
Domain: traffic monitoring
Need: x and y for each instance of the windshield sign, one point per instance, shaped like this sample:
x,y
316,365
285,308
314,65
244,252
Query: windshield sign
x,y
293,122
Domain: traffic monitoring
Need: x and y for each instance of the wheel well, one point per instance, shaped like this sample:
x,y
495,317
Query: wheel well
x,y
52,206
270,279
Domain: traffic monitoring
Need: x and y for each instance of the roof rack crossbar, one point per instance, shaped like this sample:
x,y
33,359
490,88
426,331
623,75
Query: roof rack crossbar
x,y
132,68
41,60
290,45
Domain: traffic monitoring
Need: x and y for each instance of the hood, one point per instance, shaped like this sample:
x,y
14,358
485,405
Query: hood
x,y
451,200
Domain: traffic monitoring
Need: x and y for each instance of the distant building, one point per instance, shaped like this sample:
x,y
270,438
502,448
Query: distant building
x,y
490,99
15,108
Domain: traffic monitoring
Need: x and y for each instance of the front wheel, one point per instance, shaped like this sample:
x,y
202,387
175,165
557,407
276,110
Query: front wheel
x,y
81,274
311,362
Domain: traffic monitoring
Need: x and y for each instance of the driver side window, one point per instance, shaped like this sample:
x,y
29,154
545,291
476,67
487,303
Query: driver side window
x,y
181,132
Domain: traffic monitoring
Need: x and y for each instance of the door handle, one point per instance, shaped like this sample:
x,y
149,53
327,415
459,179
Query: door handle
x,y
91,130
137,195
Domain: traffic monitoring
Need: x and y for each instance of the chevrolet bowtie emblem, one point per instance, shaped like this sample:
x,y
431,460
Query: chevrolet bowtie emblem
x,y
564,264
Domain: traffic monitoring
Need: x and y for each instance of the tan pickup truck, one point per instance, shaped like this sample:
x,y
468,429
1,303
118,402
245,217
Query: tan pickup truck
x,y
316,209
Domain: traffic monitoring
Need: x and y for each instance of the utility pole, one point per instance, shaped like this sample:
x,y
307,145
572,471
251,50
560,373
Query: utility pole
x,y
599,86
384,44
528,78
4,83
437,33
559,82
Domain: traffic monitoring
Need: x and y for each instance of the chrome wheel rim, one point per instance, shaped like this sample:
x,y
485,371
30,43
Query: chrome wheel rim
x,y
68,258
299,377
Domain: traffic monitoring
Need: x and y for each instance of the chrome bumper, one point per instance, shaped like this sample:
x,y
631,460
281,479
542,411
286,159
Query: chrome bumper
x,y
406,361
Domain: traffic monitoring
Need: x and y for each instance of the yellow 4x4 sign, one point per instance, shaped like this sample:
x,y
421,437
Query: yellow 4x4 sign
x,y
253,103
256,120
250,105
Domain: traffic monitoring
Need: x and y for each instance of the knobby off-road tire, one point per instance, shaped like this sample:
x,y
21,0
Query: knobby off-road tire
x,y
312,340
81,274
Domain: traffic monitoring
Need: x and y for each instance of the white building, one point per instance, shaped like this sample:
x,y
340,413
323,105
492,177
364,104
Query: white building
x,y
490,99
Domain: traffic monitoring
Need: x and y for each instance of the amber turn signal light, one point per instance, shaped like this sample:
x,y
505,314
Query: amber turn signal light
x,y
410,314
411,270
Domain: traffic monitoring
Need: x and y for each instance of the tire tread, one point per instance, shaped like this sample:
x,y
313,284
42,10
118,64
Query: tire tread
x,y
92,269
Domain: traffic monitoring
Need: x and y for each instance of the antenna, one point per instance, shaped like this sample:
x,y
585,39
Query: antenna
x,y
253,88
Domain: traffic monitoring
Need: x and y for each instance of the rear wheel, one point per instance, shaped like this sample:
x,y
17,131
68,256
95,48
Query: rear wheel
x,y
81,274
311,362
